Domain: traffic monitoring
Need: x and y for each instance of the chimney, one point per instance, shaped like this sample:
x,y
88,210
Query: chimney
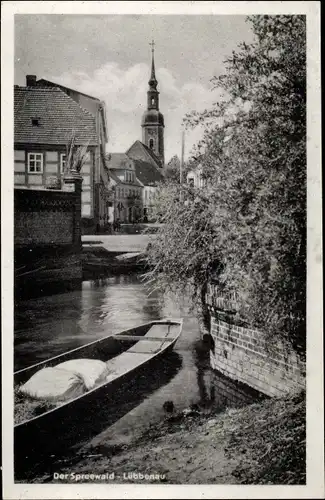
x,y
30,80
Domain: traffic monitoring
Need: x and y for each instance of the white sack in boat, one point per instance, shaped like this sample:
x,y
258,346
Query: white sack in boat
x,y
54,384
92,371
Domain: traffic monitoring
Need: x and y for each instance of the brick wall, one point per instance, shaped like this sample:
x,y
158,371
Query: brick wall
x,y
243,354
47,236
232,393
46,217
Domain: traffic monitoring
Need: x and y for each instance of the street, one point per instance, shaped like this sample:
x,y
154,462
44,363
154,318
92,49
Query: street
x,y
123,243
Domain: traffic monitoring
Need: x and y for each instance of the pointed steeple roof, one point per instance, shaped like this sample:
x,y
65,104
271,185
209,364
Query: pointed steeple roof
x,y
153,80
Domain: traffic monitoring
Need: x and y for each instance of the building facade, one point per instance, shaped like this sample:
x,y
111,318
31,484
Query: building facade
x,y
126,206
195,177
45,118
149,177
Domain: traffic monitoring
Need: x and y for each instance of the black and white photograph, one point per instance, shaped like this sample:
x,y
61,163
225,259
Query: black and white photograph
x,y
162,256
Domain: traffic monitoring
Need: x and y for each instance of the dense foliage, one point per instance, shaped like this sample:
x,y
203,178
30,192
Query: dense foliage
x,y
172,169
251,217
269,442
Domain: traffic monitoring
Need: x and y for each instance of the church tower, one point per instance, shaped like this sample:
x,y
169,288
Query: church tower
x,y
152,120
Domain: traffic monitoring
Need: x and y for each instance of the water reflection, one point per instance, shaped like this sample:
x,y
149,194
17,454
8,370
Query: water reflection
x,y
201,354
49,325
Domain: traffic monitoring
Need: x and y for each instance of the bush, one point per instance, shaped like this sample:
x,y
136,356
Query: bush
x,y
248,227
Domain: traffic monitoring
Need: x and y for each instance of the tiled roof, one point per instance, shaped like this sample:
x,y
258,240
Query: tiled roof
x,y
75,94
147,153
59,116
152,154
120,161
147,173
113,176
47,83
117,160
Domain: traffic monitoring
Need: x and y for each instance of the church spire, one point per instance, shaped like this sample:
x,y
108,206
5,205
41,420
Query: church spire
x,y
152,120
153,81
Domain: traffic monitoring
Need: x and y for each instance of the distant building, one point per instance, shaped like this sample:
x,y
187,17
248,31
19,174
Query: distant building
x,y
149,177
153,120
152,147
195,177
127,199
149,155
139,151
45,117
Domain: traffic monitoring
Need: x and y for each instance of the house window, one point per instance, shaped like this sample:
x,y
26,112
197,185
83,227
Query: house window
x,y
35,163
35,122
151,144
62,162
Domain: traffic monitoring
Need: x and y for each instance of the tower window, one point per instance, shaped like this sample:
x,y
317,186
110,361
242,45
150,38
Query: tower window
x,y
151,143
153,100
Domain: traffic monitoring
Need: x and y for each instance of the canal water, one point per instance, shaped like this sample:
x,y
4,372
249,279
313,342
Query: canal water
x,y
49,325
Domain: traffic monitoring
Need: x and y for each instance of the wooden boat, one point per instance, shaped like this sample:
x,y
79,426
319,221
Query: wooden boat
x,y
128,354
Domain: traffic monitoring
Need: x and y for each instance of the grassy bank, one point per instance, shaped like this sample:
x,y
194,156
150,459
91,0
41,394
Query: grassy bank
x,y
263,443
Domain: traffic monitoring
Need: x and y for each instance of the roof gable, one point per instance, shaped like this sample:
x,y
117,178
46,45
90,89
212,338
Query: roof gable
x,y
112,174
58,115
139,151
86,101
147,174
42,82
119,161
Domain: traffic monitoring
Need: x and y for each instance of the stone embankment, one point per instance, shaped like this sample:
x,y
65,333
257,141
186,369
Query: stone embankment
x,y
114,253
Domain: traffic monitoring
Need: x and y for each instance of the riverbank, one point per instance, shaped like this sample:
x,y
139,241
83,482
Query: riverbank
x,y
262,443
102,254
97,261
121,243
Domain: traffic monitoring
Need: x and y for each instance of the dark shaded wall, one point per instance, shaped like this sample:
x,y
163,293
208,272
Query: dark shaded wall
x,y
47,236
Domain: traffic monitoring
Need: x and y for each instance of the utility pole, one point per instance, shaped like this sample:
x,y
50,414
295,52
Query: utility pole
x,y
182,157
181,167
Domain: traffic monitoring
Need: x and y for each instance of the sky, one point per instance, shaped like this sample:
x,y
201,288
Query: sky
x,y
109,57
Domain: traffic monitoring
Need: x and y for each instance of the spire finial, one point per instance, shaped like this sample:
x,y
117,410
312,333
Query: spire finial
x,y
153,81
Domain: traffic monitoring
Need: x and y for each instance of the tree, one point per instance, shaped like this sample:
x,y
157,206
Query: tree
x,y
172,170
250,225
